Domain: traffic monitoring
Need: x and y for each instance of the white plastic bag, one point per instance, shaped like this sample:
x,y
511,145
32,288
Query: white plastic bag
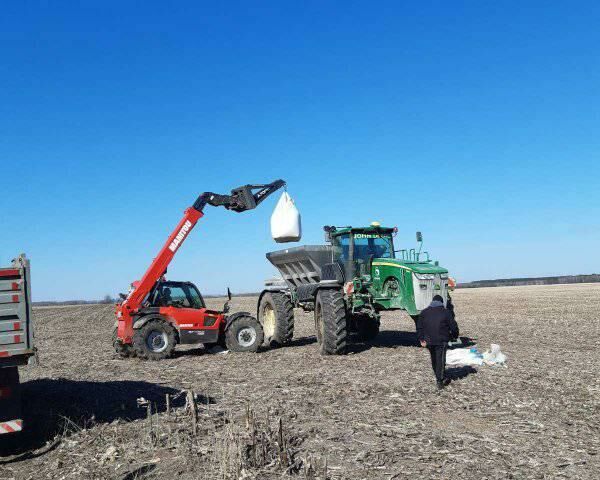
x,y
471,356
494,356
464,356
285,221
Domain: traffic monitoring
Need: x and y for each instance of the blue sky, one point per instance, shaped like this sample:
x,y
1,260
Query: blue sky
x,y
474,122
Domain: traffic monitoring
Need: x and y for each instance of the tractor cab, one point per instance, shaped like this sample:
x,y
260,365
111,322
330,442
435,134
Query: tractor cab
x,y
354,249
395,279
176,294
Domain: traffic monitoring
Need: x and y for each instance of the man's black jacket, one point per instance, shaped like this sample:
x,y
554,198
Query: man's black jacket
x,y
436,325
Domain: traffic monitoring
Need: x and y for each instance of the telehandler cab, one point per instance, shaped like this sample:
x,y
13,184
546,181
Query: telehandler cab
x,y
157,314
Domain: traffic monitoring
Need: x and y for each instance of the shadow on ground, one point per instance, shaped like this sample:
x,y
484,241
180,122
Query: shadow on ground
x,y
301,342
464,342
398,338
53,407
386,339
456,373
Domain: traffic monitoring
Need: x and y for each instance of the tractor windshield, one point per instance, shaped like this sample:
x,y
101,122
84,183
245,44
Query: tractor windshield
x,y
169,294
372,245
354,258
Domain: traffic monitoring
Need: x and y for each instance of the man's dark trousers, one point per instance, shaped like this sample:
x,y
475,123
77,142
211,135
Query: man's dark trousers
x,y
438,361
435,327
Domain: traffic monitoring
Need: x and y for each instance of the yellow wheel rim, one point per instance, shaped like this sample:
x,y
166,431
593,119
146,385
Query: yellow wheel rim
x,y
268,321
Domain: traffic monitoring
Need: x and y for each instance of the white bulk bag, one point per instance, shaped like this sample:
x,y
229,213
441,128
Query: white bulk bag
x,y
285,221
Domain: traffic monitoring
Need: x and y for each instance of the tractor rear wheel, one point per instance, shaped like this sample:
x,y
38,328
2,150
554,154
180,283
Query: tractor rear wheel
x,y
367,327
244,334
276,315
155,340
330,322
123,350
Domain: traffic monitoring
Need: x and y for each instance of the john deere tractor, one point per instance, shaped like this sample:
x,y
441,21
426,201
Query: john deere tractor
x,y
347,283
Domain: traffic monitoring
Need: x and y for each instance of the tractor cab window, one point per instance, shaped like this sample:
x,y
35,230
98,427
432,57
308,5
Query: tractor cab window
x,y
354,257
176,295
341,248
196,299
341,254
370,245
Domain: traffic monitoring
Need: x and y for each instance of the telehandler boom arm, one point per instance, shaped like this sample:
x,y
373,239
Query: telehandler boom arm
x,y
246,197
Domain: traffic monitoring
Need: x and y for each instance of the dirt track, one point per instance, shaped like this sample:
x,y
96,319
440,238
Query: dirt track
x,y
372,414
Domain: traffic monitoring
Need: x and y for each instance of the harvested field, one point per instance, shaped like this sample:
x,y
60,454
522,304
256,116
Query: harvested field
x,y
373,414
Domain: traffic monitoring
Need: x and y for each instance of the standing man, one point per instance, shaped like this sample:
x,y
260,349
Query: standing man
x,y
435,327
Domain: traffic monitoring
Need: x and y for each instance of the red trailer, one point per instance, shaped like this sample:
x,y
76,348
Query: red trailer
x,y
16,339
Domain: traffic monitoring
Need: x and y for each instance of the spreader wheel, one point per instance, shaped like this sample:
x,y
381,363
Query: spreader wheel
x,y
244,334
122,349
276,315
155,340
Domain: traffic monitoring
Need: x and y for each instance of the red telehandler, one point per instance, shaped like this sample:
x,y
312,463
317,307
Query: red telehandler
x,y
157,314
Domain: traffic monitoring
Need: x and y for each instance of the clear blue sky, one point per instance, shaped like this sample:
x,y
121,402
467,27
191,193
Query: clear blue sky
x,y
475,122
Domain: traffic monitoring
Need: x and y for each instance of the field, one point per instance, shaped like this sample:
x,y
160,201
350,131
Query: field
x,y
373,414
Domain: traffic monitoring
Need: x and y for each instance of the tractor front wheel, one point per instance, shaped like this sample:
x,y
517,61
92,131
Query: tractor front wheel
x,y
155,340
276,315
123,350
330,322
244,334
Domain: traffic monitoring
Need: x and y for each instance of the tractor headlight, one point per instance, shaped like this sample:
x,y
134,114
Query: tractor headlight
x,y
444,276
425,276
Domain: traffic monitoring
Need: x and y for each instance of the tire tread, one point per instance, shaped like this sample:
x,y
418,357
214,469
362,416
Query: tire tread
x,y
335,325
284,315
139,343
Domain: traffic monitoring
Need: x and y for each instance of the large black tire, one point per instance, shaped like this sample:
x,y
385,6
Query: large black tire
x,y
123,350
276,315
155,340
367,327
330,322
244,334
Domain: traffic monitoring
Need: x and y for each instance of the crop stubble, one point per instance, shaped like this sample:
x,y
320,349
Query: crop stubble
x,y
372,414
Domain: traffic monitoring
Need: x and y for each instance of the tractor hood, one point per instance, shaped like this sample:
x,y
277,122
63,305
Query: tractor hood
x,y
416,267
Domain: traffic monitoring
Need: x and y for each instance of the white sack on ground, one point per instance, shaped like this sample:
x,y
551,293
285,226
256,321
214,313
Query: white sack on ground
x,y
285,221
471,356
463,356
494,356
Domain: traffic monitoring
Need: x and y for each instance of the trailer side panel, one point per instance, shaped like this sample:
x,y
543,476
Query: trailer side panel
x,y
16,321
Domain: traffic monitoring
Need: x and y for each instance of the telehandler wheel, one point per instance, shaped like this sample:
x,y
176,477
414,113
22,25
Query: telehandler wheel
x,y
276,315
123,350
244,334
367,327
155,340
330,322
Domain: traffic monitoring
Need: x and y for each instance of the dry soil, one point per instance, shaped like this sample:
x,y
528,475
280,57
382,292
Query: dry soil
x,y
372,414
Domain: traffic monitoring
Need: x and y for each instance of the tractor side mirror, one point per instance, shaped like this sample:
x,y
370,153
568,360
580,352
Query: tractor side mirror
x,y
419,237
327,230
226,307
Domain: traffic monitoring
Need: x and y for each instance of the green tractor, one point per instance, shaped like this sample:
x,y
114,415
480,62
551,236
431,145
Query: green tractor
x,y
347,283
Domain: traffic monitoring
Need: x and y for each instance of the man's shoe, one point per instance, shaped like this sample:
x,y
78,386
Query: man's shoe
x,y
446,382
440,385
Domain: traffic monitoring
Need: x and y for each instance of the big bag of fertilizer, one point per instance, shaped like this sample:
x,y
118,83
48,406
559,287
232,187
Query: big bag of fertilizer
x,y
285,221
